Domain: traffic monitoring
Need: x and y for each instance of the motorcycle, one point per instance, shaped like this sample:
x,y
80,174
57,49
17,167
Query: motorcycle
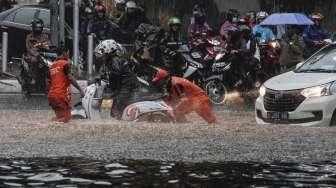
x,y
150,108
229,75
198,68
270,57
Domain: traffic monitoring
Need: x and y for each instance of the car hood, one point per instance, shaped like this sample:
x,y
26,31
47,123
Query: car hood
x,y
292,80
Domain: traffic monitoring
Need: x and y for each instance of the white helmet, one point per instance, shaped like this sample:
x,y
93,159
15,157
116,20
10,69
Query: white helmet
x,y
119,2
262,15
131,4
109,47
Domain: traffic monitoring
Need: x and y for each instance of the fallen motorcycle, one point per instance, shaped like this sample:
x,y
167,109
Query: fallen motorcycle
x,y
149,108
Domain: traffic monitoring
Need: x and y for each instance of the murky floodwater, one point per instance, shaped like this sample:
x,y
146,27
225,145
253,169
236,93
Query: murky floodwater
x,y
75,172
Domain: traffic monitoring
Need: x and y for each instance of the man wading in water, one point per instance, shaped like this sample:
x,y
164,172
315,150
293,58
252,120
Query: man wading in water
x,y
59,80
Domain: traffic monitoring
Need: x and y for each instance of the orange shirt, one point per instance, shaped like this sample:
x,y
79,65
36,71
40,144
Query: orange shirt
x,y
181,85
60,84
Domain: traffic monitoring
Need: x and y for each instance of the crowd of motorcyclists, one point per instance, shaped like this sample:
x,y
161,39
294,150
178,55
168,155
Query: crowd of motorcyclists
x,y
250,48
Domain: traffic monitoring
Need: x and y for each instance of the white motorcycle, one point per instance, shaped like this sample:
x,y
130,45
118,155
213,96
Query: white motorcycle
x,y
151,110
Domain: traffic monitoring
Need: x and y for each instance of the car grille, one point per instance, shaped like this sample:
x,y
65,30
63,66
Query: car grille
x,y
282,101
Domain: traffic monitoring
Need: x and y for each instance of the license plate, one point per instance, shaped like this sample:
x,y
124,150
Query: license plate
x,y
278,115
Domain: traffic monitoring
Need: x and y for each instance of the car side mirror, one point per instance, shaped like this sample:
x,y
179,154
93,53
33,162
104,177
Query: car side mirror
x,y
299,65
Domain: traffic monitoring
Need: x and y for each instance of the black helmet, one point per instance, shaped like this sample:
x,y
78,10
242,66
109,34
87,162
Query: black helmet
x,y
37,25
231,14
199,13
147,35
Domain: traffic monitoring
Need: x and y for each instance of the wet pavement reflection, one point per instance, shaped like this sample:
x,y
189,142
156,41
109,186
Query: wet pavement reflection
x,y
78,172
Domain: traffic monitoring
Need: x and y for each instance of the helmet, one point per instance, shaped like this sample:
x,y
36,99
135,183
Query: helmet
x,y
88,10
109,47
316,16
198,11
120,4
232,14
37,25
251,14
174,21
262,15
100,9
131,6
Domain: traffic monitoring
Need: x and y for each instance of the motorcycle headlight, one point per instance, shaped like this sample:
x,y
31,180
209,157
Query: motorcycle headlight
x,y
219,56
262,91
320,91
275,44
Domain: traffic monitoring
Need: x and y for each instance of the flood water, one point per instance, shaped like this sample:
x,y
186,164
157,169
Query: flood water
x,y
78,172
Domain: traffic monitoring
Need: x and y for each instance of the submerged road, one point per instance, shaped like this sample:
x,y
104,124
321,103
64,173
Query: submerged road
x,y
26,131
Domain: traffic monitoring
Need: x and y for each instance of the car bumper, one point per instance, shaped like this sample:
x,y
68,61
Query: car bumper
x,y
316,111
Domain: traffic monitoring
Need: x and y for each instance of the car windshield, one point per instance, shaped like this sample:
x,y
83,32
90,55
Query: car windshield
x,y
324,61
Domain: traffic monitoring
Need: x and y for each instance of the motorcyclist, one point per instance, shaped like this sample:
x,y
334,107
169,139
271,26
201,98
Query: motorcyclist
x,y
231,17
37,38
315,35
199,28
132,18
119,72
171,42
263,33
101,26
174,33
119,10
35,42
150,38
188,97
251,18
292,51
241,48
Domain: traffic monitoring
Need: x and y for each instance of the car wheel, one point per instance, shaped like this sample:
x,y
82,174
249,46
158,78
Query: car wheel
x,y
333,119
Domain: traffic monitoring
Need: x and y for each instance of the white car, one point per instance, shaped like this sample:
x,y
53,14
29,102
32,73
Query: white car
x,y
305,96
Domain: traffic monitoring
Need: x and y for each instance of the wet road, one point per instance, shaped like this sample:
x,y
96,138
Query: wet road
x,y
79,172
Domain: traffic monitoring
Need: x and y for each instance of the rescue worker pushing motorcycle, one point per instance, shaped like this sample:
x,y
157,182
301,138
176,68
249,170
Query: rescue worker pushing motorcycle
x,y
187,95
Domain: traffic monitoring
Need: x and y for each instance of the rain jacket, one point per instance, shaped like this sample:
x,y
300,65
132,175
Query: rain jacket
x,y
266,33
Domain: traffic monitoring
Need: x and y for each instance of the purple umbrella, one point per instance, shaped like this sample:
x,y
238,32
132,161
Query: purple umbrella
x,y
287,19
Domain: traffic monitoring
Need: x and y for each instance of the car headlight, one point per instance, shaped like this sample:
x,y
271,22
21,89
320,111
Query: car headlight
x,y
262,91
319,91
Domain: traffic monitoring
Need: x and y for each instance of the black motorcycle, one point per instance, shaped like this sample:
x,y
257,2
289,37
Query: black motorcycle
x,y
236,74
194,69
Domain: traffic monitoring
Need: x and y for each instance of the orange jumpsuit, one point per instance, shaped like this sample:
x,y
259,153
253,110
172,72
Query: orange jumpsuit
x,y
193,98
59,92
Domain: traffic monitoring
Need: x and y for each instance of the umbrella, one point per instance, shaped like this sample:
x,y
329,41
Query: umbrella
x,y
287,19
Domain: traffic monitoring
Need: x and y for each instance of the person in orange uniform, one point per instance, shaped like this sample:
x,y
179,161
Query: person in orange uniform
x,y
189,97
59,81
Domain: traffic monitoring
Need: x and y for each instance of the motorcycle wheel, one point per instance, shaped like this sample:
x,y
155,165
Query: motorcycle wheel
x,y
216,91
156,117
